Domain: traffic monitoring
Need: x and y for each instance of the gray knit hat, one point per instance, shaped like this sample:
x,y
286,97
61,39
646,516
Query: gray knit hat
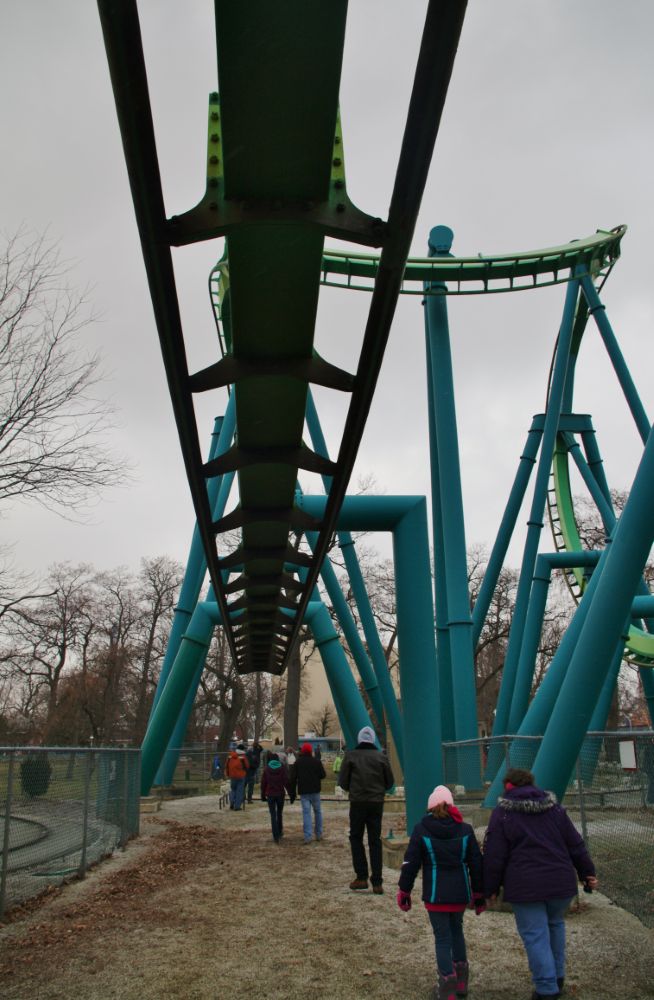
x,y
366,735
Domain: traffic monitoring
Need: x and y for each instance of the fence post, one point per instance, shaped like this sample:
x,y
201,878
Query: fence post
x,y
123,809
138,793
85,821
5,838
582,803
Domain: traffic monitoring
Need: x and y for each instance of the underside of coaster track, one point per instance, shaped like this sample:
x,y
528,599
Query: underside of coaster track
x,y
275,191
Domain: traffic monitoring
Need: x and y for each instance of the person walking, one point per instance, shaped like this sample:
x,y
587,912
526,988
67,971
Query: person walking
x,y
306,776
446,850
274,785
366,774
253,755
534,851
336,766
236,767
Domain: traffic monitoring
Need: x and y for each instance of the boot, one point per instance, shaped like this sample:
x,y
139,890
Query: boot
x,y
462,973
446,989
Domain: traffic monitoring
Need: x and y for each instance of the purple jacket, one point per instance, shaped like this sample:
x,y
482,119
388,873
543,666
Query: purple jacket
x,y
533,849
274,780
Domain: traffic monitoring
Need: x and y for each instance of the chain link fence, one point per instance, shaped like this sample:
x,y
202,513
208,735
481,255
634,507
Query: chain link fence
x,y
61,811
610,798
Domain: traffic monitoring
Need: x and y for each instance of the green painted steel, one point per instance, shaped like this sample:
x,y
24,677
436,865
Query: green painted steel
x,y
483,273
275,188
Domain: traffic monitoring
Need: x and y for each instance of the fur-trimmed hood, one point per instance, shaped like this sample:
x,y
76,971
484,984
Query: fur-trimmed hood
x,y
527,799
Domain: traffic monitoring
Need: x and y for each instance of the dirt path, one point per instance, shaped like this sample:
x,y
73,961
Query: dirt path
x,y
205,907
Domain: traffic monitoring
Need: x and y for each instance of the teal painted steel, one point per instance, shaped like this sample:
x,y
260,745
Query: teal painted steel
x,y
192,650
507,525
417,659
406,517
194,575
347,697
448,505
358,587
535,522
545,563
591,661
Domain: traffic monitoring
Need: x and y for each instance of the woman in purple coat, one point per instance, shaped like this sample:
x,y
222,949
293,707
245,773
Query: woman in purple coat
x,y
534,851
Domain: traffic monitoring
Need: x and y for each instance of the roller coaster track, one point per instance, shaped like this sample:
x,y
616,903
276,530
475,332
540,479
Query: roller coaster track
x,y
275,189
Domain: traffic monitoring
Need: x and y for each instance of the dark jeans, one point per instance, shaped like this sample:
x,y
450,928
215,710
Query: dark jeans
x,y
276,806
250,778
366,816
450,943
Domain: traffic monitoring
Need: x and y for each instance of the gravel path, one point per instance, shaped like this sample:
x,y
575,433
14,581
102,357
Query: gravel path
x,y
205,907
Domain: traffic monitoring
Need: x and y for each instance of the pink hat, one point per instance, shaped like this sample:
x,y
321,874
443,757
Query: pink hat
x,y
440,794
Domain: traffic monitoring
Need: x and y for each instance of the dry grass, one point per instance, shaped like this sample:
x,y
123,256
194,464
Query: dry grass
x,y
205,906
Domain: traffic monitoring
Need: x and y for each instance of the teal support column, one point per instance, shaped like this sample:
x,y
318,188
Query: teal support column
x,y
352,637
165,773
535,522
627,384
507,526
375,648
542,705
442,618
193,648
418,674
450,501
595,649
196,566
347,697
545,563
406,517
373,642
593,744
647,681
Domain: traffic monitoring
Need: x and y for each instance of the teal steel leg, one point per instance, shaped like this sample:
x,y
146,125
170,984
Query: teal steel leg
x,y
352,637
450,502
598,312
192,651
406,517
591,661
373,642
535,523
442,618
541,707
507,526
418,674
347,697
534,623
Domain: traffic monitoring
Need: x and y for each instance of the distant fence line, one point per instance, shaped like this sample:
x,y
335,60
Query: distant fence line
x,y
610,797
63,808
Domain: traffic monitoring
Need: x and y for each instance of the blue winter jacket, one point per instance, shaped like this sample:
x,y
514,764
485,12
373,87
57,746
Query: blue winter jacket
x,y
533,849
448,852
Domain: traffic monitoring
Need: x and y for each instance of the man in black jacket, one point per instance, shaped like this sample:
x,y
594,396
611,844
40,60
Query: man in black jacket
x,y
366,774
306,776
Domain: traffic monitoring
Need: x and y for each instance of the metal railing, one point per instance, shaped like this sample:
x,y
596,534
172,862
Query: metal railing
x,y
62,810
610,797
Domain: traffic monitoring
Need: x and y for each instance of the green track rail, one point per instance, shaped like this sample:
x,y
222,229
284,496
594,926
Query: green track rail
x,y
275,190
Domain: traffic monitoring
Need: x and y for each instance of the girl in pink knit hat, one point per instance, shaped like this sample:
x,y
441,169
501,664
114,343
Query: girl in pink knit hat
x,y
447,851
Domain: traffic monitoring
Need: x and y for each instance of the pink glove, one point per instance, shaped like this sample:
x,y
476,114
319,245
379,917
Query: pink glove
x,y
403,900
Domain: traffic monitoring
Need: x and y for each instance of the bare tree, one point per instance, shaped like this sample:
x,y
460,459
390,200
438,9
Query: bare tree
x,y
323,721
51,422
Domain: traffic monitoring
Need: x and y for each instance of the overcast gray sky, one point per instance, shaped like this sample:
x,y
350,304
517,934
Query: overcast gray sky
x,y
547,135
